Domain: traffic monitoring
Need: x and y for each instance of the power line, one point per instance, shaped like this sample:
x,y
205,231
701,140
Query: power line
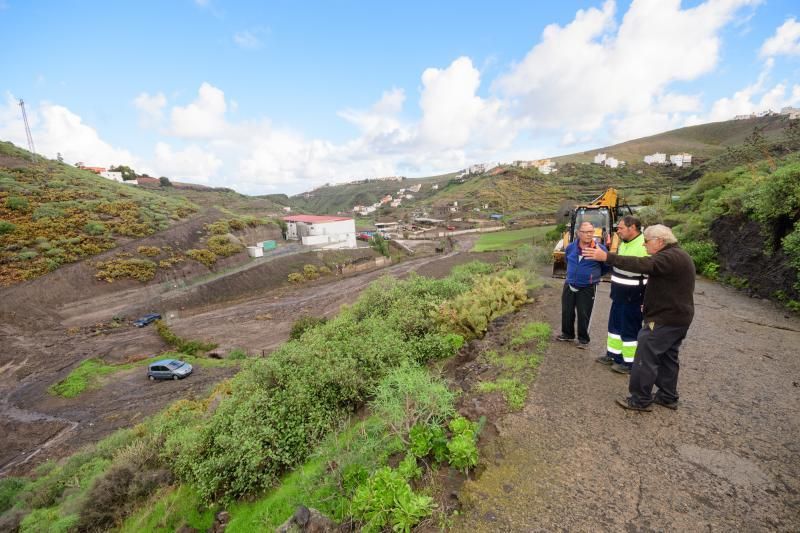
x,y
31,146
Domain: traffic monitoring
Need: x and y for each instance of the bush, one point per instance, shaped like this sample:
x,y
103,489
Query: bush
x,y
310,272
17,203
6,227
237,353
139,269
223,246
9,488
704,255
207,257
94,227
149,251
386,499
303,324
296,277
182,345
220,227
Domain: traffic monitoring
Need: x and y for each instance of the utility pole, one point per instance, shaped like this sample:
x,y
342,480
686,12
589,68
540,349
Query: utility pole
x,y
31,146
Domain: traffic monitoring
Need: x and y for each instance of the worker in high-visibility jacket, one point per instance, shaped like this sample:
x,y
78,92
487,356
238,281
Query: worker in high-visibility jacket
x,y
627,297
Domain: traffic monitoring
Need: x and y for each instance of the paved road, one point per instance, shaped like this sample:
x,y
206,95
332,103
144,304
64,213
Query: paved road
x,y
727,460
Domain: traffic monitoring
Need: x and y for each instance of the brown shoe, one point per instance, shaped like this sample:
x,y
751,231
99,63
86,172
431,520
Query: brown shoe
x,y
625,403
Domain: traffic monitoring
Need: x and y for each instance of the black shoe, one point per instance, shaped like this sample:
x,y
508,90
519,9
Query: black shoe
x,y
582,345
663,403
605,360
562,338
620,369
626,403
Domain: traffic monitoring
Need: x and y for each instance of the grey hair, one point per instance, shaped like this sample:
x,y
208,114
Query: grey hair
x,y
585,222
660,231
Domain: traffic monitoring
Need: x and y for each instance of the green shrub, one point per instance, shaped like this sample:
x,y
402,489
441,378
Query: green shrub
x,y
9,488
27,255
513,391
47,211
149,251
17,203
207,257
138,269
310,272
81,377
220,227
296,277
704,255
185,346
237,353
305,323
223,246
386,499
538,331
94,227
6,227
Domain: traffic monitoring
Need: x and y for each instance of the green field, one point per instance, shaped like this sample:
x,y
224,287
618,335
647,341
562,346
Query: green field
x,y
510,240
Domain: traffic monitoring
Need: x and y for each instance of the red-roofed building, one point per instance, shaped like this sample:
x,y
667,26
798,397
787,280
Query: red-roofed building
x,y
322,231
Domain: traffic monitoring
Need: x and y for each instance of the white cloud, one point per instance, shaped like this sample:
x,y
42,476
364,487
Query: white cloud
x,y
56,129
151,108
785,41
455,116
247,39
754,98
590,70
203,118
192,163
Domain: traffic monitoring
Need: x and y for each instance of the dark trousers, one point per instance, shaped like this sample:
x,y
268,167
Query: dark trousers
x,y
656,363
624,323
578,302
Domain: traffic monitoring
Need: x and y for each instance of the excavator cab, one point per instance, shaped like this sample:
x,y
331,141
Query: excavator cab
x,y
603,212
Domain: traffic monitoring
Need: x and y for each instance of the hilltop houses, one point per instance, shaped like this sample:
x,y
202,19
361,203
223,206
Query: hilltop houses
x,y
545,166
681,160
608,161
655,159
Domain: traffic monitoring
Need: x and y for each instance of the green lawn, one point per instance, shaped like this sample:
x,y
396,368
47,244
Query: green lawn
x,y
510,240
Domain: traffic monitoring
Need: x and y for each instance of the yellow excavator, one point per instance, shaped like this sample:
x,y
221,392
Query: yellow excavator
x,y
603,212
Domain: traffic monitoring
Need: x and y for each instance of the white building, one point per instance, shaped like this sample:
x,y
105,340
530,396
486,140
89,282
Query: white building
x,y
792,112
612,162
599,159
656,159
415,188
681,160
321,231
435,186
113,175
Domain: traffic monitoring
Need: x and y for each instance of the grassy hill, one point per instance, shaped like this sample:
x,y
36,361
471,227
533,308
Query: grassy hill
x,y
703,141
52,214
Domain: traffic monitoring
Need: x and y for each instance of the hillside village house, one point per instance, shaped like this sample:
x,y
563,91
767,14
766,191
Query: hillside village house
x,y
656,159
599,159
113,175
681,160
321,231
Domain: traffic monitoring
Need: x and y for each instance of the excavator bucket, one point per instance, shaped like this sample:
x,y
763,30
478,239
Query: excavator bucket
x,y
559,267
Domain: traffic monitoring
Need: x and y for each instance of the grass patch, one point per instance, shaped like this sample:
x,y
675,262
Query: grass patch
x,y
89,374
535,331
170,510
510,240
514,392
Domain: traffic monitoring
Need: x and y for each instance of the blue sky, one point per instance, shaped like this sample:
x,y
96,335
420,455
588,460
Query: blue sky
x,y
284,96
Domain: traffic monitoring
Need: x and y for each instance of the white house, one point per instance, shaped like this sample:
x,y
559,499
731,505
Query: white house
x,y
611,162
792,112
321,231
656,159
415,188
681,160
599,159
112,175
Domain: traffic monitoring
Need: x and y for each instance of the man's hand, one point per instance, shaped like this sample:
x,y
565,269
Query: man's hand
x,y
594,253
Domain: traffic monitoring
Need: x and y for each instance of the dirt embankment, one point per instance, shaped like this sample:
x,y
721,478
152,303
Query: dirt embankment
x,y
727,460
740,242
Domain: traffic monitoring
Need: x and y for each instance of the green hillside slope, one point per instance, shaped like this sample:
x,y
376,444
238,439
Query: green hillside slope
x,y
52,214
703,141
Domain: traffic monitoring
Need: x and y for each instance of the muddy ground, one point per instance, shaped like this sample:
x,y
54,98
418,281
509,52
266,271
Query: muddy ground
x,y
40,351
727,460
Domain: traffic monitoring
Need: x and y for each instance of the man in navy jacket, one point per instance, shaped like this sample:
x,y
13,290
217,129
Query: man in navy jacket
x,y
580,287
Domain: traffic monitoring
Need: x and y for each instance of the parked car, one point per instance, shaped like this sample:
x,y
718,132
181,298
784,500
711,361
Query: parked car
x,y
146,319
168,369
451,228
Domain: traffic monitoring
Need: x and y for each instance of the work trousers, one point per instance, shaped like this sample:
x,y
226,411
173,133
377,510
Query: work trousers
x,y
578,302
624,323
656,363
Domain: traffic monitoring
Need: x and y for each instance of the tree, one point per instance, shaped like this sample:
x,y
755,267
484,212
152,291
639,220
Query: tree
x,y
128,174
165,181
59,157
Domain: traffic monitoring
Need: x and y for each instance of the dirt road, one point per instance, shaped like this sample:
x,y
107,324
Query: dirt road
x,y
727,460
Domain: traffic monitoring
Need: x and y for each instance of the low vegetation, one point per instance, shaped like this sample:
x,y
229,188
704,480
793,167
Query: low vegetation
x,y
512,239
53,214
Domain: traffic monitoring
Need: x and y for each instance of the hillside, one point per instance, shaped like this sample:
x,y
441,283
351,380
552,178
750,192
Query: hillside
x,y
703,141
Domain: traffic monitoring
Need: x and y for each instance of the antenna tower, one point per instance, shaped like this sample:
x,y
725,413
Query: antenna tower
x,y
31,146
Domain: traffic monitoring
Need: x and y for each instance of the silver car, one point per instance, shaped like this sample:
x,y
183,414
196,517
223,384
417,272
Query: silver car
x,y
168,369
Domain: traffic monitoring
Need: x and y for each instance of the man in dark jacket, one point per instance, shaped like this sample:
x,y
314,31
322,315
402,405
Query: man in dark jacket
x,y
583,275
668,313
